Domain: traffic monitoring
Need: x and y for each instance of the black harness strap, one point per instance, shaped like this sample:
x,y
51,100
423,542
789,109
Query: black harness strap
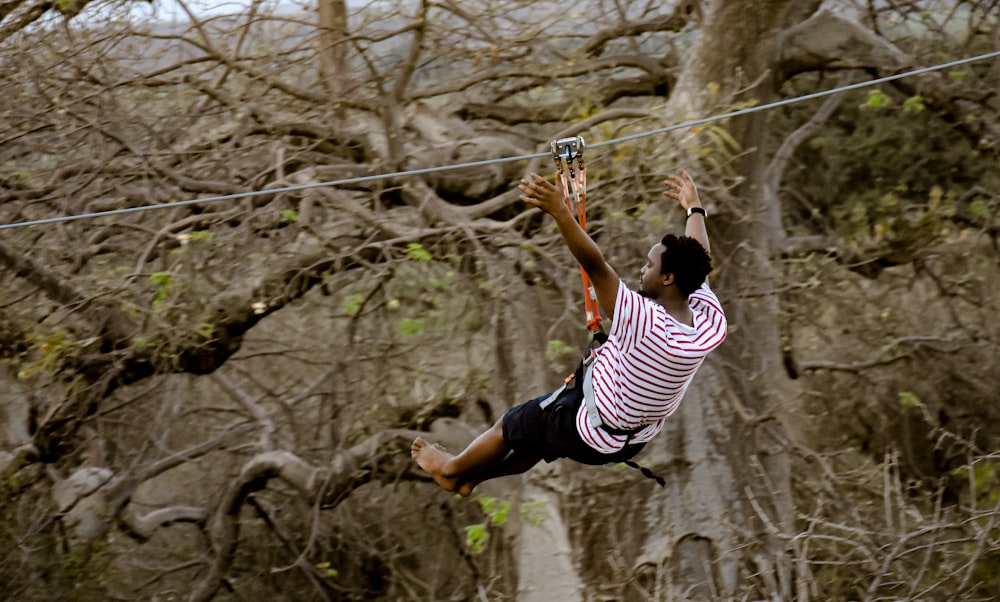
x,y
647,473
628,434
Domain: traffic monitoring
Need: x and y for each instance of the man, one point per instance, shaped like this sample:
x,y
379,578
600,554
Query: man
x,y
659,337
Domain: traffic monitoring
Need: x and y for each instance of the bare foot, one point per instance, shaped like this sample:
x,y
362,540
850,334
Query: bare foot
x,y
465,488
433,458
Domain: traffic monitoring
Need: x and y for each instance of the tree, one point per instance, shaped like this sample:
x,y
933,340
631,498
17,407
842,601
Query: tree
x,y
280,350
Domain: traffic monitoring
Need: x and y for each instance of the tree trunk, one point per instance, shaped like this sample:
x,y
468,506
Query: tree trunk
x,y
753,374
333,67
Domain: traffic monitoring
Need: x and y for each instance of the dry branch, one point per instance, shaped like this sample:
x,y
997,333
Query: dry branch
x,y
827,41
105,319
143,527
382,456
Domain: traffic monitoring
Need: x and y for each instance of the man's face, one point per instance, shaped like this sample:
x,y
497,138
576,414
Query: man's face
x,y
649,276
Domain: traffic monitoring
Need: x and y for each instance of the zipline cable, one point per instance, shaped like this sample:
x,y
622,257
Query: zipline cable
x,y
426,170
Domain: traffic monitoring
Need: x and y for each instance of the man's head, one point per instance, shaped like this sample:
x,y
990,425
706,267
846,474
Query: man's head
x,y
678,261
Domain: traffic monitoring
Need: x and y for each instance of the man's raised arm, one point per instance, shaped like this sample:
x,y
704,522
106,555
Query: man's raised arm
x,y
682,189
541,193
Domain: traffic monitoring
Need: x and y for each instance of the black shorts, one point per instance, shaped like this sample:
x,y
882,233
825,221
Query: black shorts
x,y
551,433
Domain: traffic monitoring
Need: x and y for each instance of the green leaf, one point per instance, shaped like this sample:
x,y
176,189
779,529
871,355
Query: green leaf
x,y
327,571
499,515
290,215
957,76
877,99
914,105
533,512
161,279
417,252
722,138
411,326
979,209
486,503
985,474
476,537
201,235
352,305
909,400
495,509
556,349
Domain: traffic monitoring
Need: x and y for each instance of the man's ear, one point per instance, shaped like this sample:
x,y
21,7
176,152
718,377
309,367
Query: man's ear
x,y
667,279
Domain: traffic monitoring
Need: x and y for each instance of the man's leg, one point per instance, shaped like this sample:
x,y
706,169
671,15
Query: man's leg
x,y
514,463
487,452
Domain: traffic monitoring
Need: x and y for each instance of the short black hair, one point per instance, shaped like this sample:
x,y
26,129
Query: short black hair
x,y
687,260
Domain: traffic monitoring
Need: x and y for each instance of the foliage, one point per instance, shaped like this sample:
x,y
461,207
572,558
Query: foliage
x,y
914,175
51,567
497,512
417,252
476,537
533,512
556,352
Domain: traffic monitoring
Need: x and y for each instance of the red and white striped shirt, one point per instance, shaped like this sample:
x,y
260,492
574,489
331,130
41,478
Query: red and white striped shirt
x,y
647,363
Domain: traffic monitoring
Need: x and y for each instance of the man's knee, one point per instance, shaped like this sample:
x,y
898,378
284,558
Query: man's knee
x,y
497,427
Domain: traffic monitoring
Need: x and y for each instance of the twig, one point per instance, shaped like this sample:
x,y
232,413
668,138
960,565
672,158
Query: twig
x,y
252,406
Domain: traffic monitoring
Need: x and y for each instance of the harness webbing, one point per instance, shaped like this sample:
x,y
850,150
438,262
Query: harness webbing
x,y
574,187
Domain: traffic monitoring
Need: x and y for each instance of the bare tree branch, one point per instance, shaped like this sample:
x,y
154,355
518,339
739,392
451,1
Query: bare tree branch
x,y
21,15
888,354
264,422
384,455
142,528
776,169
827,41
684,12
104,318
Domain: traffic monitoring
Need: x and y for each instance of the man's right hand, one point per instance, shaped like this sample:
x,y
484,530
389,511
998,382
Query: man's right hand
x,y
542,194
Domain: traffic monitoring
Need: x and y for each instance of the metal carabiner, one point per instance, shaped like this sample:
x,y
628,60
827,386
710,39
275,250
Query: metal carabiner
x,y
566,150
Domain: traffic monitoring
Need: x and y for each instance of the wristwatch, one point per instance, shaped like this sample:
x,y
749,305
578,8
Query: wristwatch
x,y
692,210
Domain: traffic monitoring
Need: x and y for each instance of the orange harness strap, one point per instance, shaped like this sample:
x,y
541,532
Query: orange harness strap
x,y
574,186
